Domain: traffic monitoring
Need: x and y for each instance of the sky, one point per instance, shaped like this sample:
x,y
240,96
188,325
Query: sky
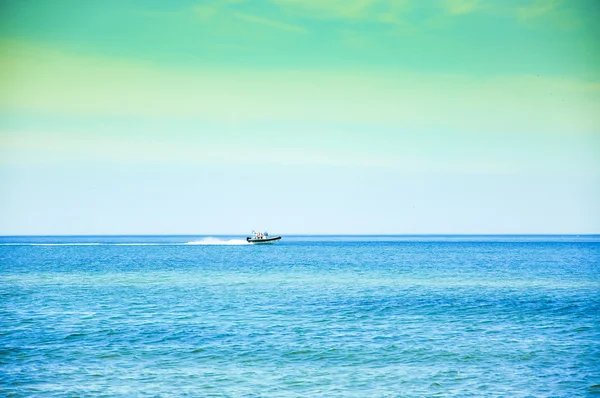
x,y
299,117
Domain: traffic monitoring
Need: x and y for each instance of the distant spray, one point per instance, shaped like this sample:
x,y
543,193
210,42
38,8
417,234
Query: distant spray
x,y
217,241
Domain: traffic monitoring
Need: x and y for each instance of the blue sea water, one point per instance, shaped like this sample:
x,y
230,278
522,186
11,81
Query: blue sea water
x,y
327,316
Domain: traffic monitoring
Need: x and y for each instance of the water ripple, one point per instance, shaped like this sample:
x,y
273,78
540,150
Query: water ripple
x,y
315,318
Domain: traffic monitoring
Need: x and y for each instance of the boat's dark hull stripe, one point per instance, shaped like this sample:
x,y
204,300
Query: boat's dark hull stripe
x,y
262,240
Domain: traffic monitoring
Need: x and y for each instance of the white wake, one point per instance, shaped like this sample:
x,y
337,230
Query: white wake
x,y
217,241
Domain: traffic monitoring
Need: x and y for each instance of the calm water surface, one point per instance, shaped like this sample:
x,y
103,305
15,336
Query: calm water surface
x,y
310,316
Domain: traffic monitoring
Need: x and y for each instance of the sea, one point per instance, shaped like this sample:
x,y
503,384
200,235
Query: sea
x,y
309,316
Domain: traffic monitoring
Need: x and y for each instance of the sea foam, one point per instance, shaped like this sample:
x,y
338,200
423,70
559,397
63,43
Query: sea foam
x,y
217,241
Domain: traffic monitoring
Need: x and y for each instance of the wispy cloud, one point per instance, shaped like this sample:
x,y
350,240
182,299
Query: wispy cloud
x,y
386,12
51,82
459,7
327,9
270,22
205,11
538,8
555,14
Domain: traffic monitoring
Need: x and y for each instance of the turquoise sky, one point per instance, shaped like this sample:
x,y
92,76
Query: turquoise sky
x,y
299,116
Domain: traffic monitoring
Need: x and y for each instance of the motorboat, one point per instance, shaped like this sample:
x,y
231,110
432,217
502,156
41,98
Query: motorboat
x,y
262,237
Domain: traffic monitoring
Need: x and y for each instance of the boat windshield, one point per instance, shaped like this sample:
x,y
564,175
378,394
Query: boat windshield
x,y
260,235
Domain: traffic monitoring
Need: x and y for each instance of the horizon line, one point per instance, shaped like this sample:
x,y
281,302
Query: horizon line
x,y
306,234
